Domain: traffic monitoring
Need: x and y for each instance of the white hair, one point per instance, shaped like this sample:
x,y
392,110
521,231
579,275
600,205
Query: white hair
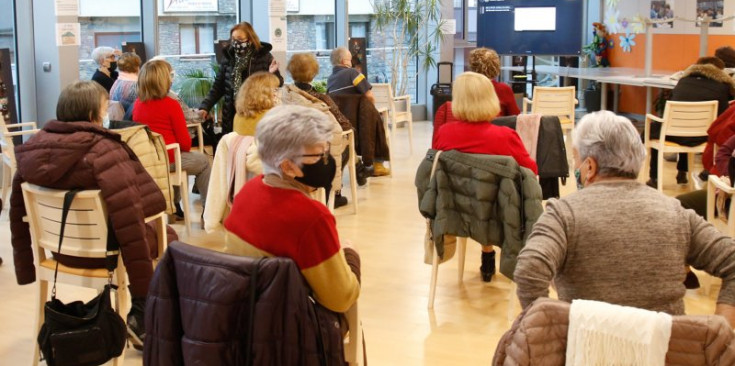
x,y
101,53
612,141
337,55
285,131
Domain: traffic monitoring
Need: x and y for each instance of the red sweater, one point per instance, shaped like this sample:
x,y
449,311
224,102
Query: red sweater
x,y
164,116
483,138
508,106
284,223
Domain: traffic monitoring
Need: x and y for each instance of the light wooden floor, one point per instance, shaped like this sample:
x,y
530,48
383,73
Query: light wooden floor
x,y
463,328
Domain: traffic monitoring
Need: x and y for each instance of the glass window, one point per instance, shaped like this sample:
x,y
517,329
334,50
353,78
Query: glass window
x,y
459,17
106,23
187,32
311,28
472,21
9,87
383,49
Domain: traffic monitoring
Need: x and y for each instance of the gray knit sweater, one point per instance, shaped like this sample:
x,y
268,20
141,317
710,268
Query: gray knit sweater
x,y
624,243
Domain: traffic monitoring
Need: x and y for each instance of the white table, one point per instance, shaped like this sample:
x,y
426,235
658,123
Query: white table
x,y
610,75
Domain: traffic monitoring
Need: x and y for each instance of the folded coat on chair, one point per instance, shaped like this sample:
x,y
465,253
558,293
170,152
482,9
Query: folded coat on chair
x,y
370,139
488,198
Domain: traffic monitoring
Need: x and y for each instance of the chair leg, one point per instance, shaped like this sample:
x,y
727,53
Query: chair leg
x,y
8,173
161,236
42,296
185,201
330,201
434,272
410,134
690,164
122,303
461,251
660,173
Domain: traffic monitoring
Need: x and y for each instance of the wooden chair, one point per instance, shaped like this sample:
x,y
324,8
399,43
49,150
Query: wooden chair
x,y
349,138
554,101
179,178
85,235
681,119
723,221
7,147
200,135
354,354
399,109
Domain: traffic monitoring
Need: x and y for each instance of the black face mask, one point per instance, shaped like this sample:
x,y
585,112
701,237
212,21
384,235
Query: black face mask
x,y
113,66
239,46
319,175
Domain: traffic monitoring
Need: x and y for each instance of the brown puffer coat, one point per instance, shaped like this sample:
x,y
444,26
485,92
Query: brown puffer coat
x,y
198,313
66,155
538,337
370,139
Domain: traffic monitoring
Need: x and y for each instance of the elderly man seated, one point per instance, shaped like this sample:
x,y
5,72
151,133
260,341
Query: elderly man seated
x,y
346,80
617,240
273,215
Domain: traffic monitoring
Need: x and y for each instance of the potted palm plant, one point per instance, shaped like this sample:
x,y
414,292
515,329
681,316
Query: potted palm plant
x,y
416,29
195,86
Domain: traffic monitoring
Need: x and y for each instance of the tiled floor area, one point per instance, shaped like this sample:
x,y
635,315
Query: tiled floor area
x,y
462,329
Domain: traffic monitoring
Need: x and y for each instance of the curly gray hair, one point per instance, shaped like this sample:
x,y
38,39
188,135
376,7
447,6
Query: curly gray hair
x,y
285,131
612,141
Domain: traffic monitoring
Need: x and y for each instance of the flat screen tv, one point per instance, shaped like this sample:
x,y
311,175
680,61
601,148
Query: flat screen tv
x,y
531,27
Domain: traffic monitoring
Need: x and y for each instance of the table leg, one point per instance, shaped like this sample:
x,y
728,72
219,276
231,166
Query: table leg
x,y
616,98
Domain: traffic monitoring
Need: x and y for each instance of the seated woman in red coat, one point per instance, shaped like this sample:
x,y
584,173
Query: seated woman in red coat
x,y
273,215
483,61
75,151
474,105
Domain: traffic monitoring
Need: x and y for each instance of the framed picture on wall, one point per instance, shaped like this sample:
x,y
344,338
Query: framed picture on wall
x,y
662,9
714,9
293,5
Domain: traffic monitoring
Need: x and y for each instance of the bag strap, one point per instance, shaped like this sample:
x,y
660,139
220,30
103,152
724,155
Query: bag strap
x,y
68,198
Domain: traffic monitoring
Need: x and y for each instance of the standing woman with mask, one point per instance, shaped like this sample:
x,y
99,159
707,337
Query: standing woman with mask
x,y
243,56
106,73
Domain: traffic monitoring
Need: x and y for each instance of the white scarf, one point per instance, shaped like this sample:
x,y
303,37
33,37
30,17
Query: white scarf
x,y
606,334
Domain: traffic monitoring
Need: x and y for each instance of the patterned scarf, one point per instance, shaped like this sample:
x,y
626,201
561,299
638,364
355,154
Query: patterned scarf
x,y
242,61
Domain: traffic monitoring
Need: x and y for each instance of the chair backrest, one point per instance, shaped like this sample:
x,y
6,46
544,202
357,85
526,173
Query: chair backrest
x,y
7,146
688,118
554,101
718,213
85,234
383,96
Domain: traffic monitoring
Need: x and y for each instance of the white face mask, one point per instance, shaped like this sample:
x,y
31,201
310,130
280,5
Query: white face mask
x,y
106,121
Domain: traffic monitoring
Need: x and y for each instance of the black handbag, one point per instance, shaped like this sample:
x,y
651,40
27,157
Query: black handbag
x,y
79,334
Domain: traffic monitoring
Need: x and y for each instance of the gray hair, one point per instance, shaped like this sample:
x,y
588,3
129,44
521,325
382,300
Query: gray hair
x,y
101,53
612,141
337,54
285,131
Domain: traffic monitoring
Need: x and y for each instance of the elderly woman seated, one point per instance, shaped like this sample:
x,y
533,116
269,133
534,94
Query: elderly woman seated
x,y
273,215
617,240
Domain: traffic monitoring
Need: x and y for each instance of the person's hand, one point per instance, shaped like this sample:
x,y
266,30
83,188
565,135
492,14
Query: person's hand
x,y
273,67
202,114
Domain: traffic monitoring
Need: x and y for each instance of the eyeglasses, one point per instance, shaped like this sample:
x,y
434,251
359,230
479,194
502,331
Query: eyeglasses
x,y
324,155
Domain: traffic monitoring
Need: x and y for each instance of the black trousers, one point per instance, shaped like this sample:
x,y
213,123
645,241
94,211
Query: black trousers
x,y
682,165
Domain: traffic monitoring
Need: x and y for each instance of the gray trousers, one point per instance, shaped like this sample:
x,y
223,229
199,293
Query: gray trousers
x,y
196,164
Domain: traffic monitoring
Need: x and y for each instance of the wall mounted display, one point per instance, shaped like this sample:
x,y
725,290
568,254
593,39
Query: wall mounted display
x,y
531,27
713,9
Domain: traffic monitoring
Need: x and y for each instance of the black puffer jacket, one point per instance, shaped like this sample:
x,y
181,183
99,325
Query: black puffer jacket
x,y
702,83
223,83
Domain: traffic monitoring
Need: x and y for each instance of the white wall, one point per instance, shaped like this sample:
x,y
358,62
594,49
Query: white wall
x,y
109,8
326,7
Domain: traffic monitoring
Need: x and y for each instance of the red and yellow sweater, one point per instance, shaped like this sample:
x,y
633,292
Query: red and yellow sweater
x,y
276,220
